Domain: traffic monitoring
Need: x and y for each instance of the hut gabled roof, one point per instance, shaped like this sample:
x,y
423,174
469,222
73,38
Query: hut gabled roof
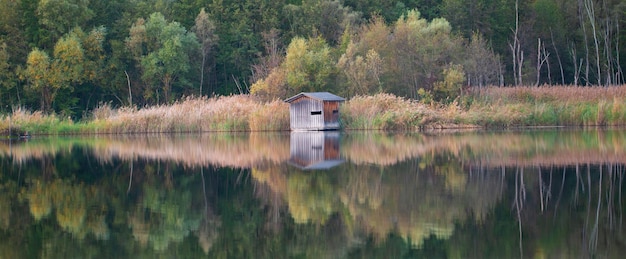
x,y
321,96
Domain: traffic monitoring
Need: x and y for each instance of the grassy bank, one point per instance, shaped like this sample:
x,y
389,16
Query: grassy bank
x,y
231,113
483,108
546,106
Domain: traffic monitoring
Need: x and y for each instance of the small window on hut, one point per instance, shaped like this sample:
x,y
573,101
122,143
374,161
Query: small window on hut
x,y
335,111
316,113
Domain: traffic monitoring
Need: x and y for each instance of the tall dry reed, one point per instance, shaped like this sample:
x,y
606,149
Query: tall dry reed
x,y
225,113
548,93
386,111
548,106
23,121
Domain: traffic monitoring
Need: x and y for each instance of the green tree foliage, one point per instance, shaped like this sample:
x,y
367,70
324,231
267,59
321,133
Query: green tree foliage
x,y
67,66
78,58
205,31
362,73
482,66
324,18
582,43
308,67
493,18
423,49
61,16
12,31
239,25
163,51
452,85
392,10
402,58
8,79
38,73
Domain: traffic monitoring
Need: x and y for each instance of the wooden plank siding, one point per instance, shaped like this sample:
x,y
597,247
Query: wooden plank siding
x,y
331,115
303,114
314,111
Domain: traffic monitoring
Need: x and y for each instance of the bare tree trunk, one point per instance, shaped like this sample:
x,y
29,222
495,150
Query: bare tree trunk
x,y
577,65
542,57
130,93
586,44
619,78
518,54
520,195
202,71
592,19
558,58
130,179
607,50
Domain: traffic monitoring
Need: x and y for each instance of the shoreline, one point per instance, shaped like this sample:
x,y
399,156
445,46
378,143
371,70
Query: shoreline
x,y
491,108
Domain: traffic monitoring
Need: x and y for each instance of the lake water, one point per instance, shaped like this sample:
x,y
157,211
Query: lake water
x,y
540,194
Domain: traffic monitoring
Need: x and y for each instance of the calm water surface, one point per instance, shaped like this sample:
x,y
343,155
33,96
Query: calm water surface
x,y
537,194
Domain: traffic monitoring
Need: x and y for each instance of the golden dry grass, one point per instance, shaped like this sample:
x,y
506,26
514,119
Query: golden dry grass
x,y
386,111
500,107
546,106
554,93
225,113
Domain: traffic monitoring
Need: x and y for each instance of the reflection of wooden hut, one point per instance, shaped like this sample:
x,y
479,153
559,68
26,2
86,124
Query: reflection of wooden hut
x,y
315,150
314,111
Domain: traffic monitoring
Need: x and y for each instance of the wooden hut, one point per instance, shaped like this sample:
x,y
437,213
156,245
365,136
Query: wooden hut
x,y
314,150
314,111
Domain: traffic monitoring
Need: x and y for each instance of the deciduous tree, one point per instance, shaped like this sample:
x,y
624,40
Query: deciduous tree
x,y
205,31
7,73
61,16
38,75
163,51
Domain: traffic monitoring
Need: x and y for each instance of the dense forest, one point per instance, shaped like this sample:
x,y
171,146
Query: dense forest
x,y
69,56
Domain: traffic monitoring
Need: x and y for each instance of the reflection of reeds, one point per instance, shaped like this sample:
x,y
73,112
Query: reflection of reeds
x,y
382,149
222,150
496,149
260,149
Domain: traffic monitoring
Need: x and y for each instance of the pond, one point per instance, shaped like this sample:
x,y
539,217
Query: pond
x,y
539,193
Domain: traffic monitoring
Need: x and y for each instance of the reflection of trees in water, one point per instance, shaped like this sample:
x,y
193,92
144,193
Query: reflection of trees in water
x,y
414,202
563,212
552,209
269,187
78,208
414,199
163,216
90,201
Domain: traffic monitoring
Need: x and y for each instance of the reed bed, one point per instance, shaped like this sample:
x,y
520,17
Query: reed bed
x,y
547,106
226,113
386,111
491,107
24,122
547,93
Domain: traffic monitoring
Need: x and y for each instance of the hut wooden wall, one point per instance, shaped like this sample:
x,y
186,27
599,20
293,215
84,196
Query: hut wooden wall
x,y
331,115
300,114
